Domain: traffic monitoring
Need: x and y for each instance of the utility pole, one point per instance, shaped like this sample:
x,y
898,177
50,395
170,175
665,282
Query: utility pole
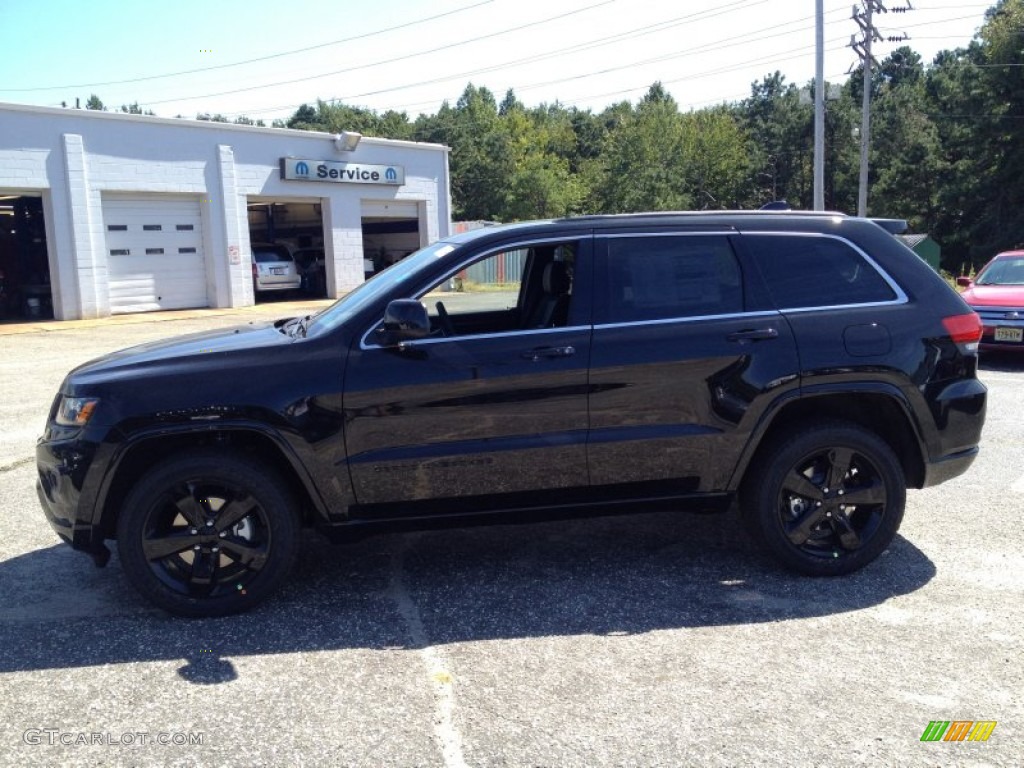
x,y
819,106
862,48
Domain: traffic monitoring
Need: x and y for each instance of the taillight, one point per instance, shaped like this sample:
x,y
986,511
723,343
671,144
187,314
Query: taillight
x,y
963,329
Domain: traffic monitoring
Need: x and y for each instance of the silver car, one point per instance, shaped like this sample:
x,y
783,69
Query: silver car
x,y
273,268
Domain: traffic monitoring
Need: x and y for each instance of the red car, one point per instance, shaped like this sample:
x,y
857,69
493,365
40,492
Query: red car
x,y
997,295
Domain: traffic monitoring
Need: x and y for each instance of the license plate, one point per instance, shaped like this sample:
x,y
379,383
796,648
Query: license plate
x,y
277,270
1009,334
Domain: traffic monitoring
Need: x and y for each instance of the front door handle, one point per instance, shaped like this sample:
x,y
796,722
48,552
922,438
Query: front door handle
x,y
536,354
753,334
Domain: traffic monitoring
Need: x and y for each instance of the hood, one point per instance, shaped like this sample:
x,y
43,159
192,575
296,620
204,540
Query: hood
x,y
994,295
193,349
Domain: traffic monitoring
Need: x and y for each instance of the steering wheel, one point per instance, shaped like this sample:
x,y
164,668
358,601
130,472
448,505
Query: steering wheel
x,y
444,320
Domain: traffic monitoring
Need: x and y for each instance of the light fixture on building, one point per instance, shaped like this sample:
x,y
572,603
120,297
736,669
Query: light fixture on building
x,y
347,141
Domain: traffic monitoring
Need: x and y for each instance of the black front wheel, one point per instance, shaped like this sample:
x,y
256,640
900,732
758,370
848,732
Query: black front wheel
x,y
208,534
825,500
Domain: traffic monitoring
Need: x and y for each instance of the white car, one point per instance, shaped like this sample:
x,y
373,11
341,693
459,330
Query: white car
x,y
273,268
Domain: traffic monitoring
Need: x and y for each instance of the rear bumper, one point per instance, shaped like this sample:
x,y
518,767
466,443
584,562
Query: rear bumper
x,y
948,467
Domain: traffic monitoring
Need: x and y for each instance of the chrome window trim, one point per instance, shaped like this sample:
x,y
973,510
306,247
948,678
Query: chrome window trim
x,y
421,291
901,297
690,319
473,336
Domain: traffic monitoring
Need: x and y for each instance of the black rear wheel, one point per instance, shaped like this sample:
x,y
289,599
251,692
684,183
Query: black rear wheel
x,y
208,534
825,500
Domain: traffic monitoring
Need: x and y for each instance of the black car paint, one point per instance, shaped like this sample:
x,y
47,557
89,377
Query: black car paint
x,y
674,411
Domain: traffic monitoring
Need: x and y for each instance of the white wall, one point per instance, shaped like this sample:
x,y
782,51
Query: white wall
x,y
74,156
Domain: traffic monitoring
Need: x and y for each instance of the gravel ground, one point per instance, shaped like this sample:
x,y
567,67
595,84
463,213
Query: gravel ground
x,y
653,640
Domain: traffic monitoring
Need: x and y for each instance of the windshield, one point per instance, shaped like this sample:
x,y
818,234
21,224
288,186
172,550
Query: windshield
x,y
1008,271
380,284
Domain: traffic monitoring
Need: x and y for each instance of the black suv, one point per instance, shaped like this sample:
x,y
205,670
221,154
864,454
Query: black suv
x,y
807,364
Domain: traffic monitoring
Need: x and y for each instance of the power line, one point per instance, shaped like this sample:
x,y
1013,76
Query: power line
x,y
650,29
717,45
722,70
252,61
740,40
599,42
386,61
557,54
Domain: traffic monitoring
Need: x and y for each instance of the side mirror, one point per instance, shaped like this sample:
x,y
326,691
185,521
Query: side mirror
x,y
404,320
964,282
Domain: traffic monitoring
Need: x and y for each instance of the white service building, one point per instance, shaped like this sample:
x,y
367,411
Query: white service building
x,y
104,213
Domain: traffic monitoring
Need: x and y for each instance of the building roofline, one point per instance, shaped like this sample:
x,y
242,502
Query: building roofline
x,y
187,122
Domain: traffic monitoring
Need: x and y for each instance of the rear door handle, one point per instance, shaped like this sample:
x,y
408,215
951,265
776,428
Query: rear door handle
x,y
753,334
536,354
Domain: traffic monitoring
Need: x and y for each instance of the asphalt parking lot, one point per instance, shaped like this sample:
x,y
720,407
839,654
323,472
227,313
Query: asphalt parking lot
x,y
655,640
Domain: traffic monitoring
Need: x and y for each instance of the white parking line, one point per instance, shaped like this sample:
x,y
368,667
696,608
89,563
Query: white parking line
x,y
447,733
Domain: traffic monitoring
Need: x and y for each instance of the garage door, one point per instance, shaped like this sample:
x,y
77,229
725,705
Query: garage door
x,y
154,253
397,209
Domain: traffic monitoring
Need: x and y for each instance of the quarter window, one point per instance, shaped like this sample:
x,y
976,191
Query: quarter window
x,y
663,277
804,272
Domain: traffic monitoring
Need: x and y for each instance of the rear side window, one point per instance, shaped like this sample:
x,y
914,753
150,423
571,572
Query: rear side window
x,y
812,271
664,277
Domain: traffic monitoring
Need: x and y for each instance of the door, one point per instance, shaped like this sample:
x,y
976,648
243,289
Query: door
x,y
155,254
681,356
494,403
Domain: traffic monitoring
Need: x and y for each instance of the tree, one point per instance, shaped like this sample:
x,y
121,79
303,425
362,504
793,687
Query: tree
x,y
95,103
782,142
716,159
642,162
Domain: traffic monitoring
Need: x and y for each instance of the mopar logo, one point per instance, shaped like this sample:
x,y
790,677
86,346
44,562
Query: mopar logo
x,y
301,169
390,174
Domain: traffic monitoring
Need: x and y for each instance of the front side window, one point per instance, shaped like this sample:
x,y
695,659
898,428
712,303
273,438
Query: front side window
x,y
522,287
659,277
813,271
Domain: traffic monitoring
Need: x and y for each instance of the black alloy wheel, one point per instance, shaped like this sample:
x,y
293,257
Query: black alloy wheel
x,y
826,500
207,534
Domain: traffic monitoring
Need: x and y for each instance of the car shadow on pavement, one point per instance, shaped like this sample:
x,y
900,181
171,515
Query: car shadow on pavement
x,y
606,576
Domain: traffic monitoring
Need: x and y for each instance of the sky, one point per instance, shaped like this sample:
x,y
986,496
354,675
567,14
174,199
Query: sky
x,y
263,59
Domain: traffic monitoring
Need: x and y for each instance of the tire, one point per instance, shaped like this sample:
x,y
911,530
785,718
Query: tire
x,y
825,500
208,534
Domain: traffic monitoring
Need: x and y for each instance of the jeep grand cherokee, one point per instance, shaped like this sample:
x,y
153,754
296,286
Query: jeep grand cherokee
x,y
808,365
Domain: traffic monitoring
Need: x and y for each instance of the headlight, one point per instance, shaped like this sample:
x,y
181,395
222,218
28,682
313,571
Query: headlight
x,y
76,411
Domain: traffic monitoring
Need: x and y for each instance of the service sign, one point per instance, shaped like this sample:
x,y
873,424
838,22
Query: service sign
x,y
298,169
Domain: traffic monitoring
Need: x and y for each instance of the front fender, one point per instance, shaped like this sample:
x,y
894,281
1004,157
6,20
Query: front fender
x,y
175,437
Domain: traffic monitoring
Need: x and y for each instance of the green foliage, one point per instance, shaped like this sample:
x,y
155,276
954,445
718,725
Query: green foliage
x,y
95,103
135,109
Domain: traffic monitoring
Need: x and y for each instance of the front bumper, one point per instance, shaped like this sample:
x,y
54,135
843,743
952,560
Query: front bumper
x,y
66,493
1008,322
